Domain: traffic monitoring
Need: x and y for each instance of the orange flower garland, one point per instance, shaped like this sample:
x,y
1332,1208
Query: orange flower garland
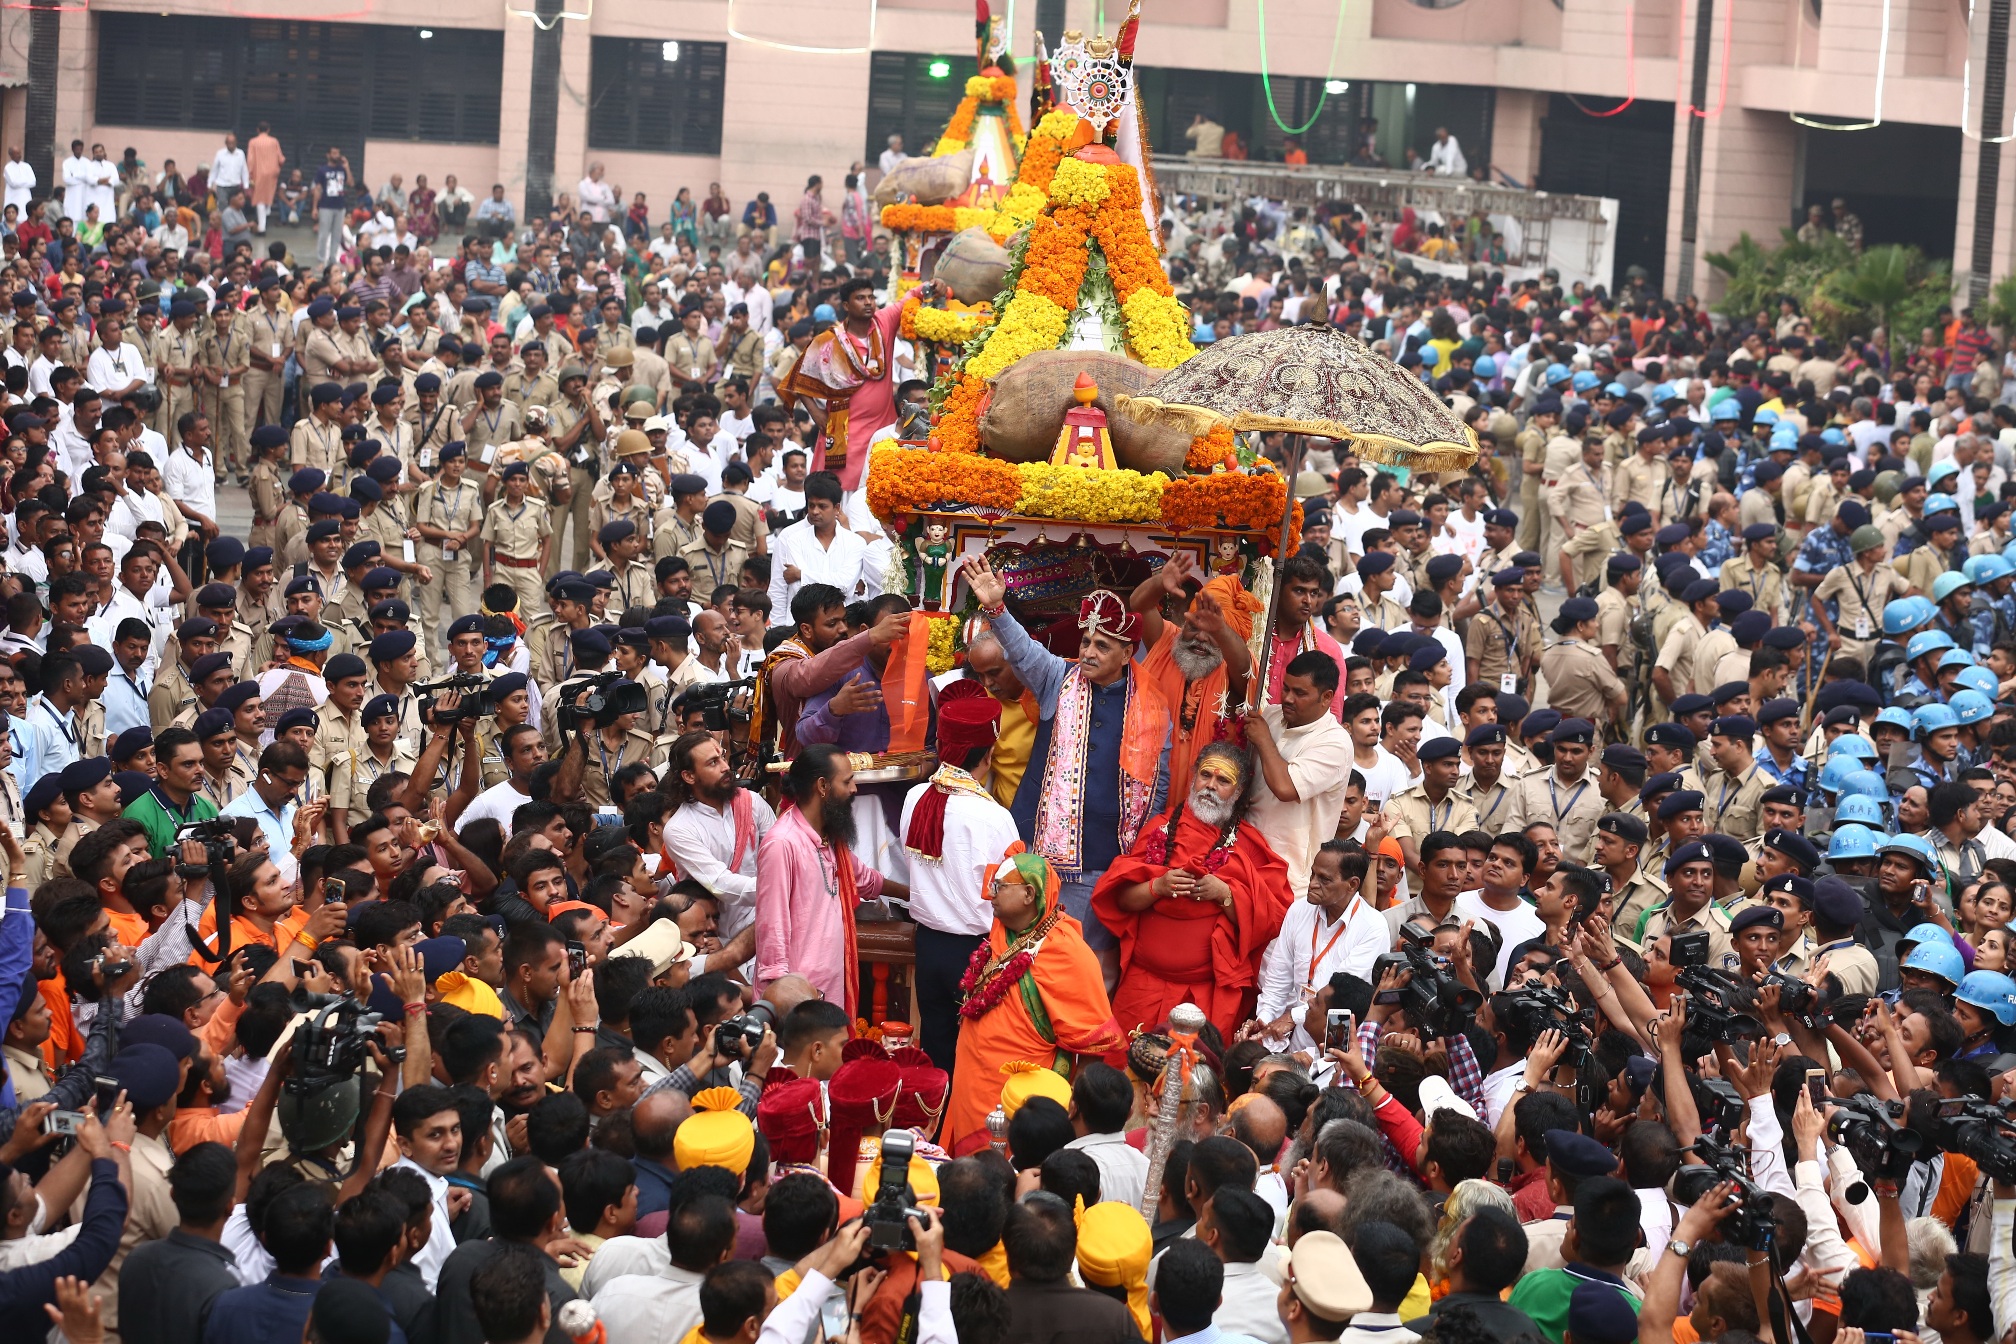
x,y
958,427
905,480
1234,500
1211,450
1054,264
960,128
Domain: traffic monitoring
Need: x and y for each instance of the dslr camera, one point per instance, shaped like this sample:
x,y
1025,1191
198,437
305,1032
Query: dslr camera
x,y
1750,1226
1875,1135
610,695
738,1036
476,700
888,1215
721,703
1716,1000
1434,999
1981,1130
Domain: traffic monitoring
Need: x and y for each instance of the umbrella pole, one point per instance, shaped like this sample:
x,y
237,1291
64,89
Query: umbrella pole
x,y
1291,467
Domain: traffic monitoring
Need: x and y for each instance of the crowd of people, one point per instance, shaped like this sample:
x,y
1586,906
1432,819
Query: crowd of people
x,y
1598,929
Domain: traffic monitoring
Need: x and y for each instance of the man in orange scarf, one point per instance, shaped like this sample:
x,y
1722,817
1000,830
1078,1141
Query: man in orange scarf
x,y
1032,992
1102,740
1195,902
1200,664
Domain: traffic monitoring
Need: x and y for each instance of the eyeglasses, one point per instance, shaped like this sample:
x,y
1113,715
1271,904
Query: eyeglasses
x,y
1002,884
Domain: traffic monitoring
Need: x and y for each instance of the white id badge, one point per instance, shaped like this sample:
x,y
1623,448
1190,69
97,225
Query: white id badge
x,y
407,546
1509,684
448,553
276,350
1862,626
225,381
489,453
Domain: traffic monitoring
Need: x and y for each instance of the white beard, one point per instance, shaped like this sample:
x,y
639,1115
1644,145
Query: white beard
x,y
1195,660
1209,808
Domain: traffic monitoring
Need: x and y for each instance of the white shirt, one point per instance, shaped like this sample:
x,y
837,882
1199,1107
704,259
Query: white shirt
x,y
950,894
1386,777
597,198
227,169
1288,980
1319,756
891,159
190,481
77,180
39,370
1497,1088
1376,1327
132,509
838,563
649,1309
1514,926
495,803
125,701
20,180
701,840
1246,1305
1123,1168
1445,158
107,369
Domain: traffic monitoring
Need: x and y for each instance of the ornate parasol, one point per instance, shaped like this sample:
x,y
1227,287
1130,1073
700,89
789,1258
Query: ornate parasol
x,y
1309,380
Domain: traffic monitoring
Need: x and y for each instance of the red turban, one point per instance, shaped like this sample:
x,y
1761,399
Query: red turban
x,y
921,1098
790,1116
1103,613
862,1096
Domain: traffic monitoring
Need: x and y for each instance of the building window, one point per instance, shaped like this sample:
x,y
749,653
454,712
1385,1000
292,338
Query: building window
x,y
913,96
657,96
317,84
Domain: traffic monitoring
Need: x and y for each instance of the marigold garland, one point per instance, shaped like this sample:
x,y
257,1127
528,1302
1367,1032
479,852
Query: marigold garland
x,y
1079,183
1158,329
942,652
992,89
908,480
1030,323
958,427
955,325
1090,494
1231,499
1208,451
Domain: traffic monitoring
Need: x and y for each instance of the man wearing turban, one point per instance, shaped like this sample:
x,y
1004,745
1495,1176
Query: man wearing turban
x,y
954,833
1196,901
1101,744
1200,663
1033,1001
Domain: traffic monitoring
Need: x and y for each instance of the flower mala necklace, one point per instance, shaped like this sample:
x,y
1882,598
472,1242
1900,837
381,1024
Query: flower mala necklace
x,y
1160,843
980,990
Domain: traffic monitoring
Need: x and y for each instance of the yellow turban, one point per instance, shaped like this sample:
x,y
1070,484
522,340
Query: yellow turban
x,y
1236,604
1026,1080
1114,1247
469,994
923,1179
717,1135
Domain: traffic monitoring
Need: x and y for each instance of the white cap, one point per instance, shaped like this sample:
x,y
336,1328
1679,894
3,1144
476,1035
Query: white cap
x,y
1436,1095
662,944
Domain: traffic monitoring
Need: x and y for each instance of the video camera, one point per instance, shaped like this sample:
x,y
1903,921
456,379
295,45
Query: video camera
x,y
1434,1000
1874,1133
321,1096
477,702
739,1035
721,702
214,834
1751,1225
1539,1008
606,701
888,1215
1981,1130
1716,1000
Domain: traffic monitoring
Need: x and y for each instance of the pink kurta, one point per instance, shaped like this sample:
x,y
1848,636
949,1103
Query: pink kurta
x,y
800,927
822,376
264,161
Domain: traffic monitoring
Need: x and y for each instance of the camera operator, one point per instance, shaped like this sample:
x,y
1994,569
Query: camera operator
x,y
723,1056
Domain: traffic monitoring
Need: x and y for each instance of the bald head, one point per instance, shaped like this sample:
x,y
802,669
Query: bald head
x,y
655,1122
1261,1125
788,991
990,665
1321,1210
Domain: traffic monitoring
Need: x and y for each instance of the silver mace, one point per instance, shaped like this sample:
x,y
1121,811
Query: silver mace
x,y
1187,1019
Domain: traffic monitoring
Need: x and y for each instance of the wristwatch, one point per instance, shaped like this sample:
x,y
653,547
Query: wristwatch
x,y
1680,1248
1521,1086
1782,1039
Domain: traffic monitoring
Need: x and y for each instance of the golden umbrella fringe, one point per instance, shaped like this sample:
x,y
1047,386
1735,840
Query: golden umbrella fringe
x,y
1198,421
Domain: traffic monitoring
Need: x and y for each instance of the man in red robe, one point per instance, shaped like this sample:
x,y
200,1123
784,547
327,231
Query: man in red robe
x,y
845,379
1195,902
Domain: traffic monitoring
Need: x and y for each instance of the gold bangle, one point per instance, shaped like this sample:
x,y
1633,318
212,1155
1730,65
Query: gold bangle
x,y
310,943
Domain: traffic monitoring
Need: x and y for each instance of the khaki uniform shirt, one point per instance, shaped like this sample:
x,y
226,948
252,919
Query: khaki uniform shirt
x,y
691,357
493,429
527,390
1498,806
317,444
1614,614
1579,681
1676,651
1646,482
1766,586
1572,809
638,745
712,568
320,353
336,735
1711,919
1644,891
353,772
517,533
1731,804
1498,644
1755,507
1862,597
1414,816
452,508
636,586
1578,498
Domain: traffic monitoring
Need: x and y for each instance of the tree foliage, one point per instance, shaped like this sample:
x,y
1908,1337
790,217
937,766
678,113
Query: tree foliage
x,y
1842,293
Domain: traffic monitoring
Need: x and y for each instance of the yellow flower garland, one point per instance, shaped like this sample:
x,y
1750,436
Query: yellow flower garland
x,y
1088,494
1030,323
949,328
942,652
1078,183
1158,328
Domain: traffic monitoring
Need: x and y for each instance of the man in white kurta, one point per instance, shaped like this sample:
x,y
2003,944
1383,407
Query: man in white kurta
x,y
20,181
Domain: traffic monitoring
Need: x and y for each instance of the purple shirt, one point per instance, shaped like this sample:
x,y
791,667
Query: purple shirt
x,y
867,730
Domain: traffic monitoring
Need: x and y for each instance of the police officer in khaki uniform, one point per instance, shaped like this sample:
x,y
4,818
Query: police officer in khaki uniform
x,y
533,384
178,359
448,513
1502,646
1577,502
270,333
226,357
1643,476
1438,803
715,557
1691,908
1735,792
1616,608
491,422
1580,682
1532,443
577,434
1837,912
321,355
519,533
1566,796
317,440
635,585
1489,787
1756,571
